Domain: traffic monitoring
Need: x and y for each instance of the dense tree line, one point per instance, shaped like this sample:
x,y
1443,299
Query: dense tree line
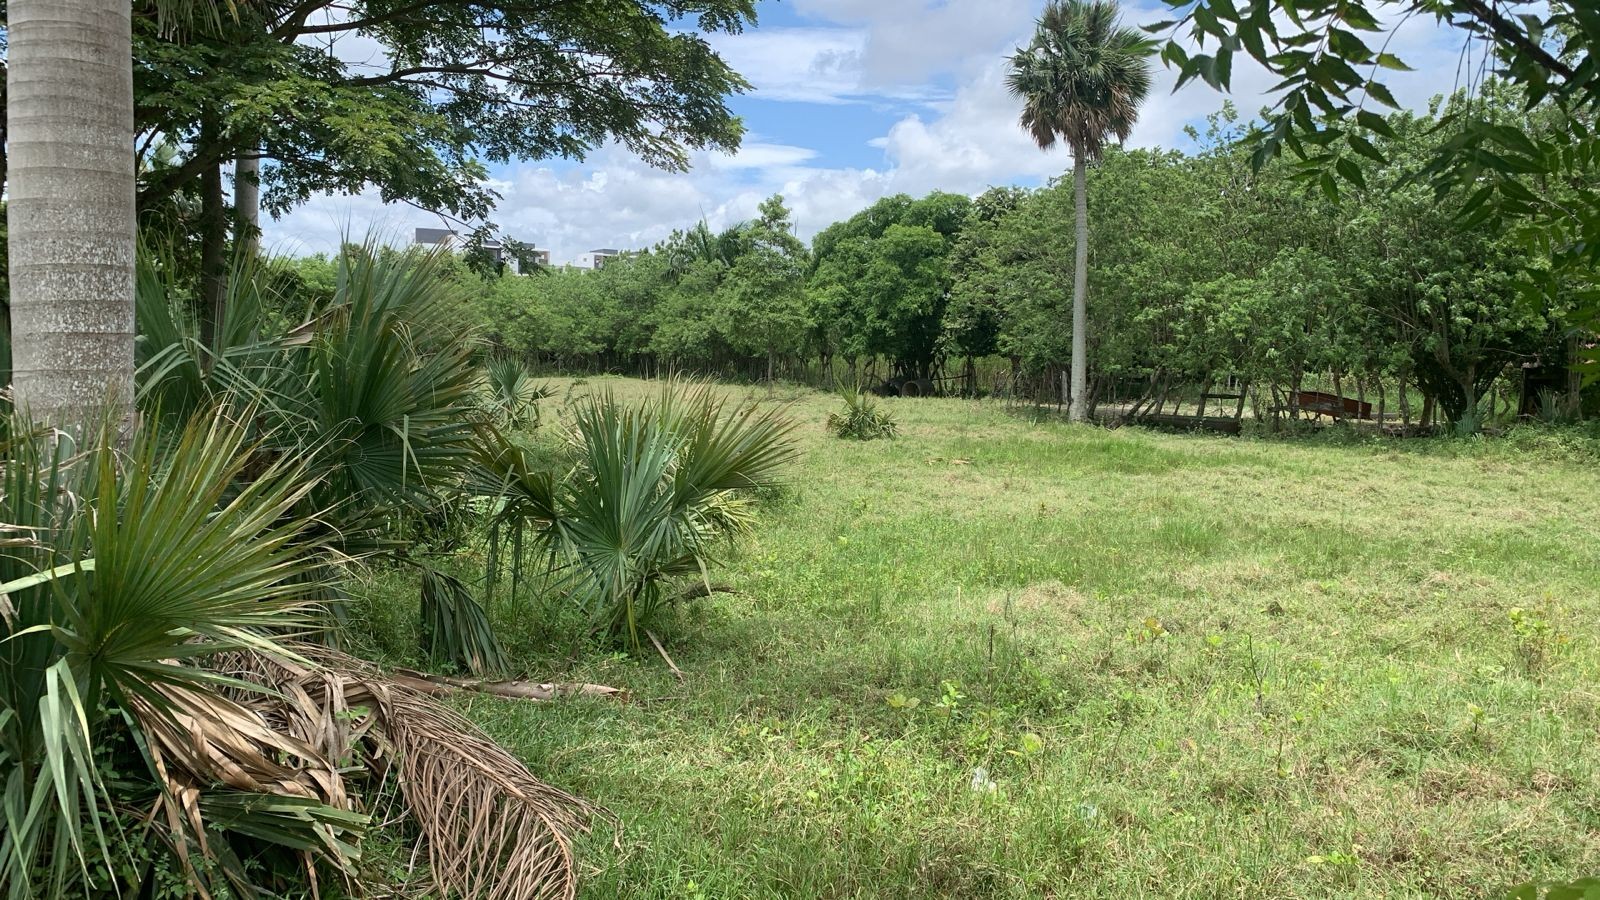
x,y
1202,271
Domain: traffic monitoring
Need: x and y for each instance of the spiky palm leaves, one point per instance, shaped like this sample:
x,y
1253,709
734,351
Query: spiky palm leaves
x,y
376,390
455,626
655,487
146,594
861,419
1082,78
510,394
119,574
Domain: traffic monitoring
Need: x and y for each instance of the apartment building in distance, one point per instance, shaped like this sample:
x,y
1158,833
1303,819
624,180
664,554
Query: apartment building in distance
x,y
445,237
597,259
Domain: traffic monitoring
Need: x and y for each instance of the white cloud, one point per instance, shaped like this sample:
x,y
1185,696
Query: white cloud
x,y
806,65
757,155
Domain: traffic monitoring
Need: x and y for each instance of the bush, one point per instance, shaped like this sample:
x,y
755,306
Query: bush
x,y
654,489
861,419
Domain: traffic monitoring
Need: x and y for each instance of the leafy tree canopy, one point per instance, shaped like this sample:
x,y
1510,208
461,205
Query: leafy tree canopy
x,y
881,280
438,89
1535,176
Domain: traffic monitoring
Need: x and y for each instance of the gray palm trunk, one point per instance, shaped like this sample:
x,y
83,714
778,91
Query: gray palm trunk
x,y
247,203
69,124
1078,412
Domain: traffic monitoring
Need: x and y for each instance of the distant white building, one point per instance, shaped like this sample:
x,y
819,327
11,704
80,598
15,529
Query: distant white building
x,y
597,259
445,237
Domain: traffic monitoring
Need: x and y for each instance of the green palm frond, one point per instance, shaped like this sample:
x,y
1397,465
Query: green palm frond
x,y
1083,76
123,570
511,395
456,628
376,390
654,488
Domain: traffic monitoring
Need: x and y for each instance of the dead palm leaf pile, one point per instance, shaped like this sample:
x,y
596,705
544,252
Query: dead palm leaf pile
x,y
294,730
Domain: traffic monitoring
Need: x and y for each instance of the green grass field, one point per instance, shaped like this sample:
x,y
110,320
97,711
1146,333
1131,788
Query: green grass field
x,y
1190,667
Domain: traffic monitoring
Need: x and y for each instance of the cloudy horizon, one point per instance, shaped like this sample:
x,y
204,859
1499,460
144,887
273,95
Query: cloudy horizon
x,y
852,101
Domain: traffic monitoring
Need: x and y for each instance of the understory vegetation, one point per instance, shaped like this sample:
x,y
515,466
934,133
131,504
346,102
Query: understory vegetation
x,y
1001,657
176,716
861,418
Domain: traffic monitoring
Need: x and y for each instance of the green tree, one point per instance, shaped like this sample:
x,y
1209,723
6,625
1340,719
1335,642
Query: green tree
x,y
1081,81
457,84
762,299
1534,177
975,314
881,280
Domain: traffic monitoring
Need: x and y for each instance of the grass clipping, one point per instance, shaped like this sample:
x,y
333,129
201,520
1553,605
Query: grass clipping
x,y
492,829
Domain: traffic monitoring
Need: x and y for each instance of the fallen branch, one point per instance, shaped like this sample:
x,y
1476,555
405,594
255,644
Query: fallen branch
x,y
700,590
437,685
678,673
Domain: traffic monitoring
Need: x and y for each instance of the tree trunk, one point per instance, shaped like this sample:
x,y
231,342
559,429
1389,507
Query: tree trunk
x,y
69,122
1080,289
213,256
1574,381
247,204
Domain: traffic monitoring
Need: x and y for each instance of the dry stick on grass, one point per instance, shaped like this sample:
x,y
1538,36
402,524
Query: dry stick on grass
x,y
677,673
700,590
437,685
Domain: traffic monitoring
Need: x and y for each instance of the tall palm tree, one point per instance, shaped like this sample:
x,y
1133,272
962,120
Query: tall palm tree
x,y
69,129
1081,81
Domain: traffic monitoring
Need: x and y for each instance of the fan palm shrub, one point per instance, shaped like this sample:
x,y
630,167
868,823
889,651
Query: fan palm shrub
x,y
375,388
118,575
861,418
510,394
656,488
150,692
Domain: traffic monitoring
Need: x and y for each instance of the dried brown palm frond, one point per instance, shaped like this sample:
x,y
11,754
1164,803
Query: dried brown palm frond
x,y
492,829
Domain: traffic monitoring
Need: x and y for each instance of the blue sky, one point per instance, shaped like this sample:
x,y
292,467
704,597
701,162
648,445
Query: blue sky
x,y
853,100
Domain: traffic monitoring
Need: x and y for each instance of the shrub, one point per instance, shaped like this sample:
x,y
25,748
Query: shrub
x,y
510,395
119,574
654,489
861,419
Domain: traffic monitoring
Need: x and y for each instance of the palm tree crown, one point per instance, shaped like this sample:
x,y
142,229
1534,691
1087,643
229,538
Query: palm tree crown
x,y
1083,77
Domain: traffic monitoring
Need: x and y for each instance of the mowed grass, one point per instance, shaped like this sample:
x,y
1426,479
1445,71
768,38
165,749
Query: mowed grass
x,y
1187,666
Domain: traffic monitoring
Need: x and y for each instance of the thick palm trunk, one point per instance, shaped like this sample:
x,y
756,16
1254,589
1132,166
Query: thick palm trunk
x,y
71,204
247,203
1080,290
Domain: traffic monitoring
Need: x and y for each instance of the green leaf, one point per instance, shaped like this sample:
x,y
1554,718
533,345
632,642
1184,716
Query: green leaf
x,y
1376,124
1364,147
1351,172
61,571
1378,91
